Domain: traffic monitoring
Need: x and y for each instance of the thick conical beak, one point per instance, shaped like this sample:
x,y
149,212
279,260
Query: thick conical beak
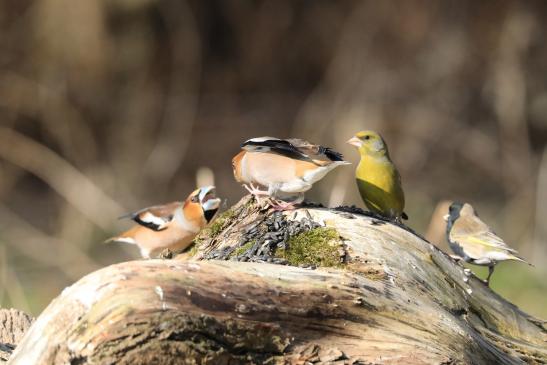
x,y
208,201
354,141
445,217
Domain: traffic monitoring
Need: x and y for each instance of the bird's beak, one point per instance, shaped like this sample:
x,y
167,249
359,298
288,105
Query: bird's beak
x,y
445,217
208,199
354,141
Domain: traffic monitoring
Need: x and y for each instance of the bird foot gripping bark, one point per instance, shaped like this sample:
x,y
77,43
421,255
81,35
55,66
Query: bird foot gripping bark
x,y
280,205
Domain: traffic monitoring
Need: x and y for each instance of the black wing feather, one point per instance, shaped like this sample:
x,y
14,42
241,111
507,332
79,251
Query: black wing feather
x,y
151,225
280,146
331,154
288,149
159,211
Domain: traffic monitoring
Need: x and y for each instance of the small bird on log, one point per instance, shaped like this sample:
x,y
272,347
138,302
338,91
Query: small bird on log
x,y
284,168
377,177
474,241
171,226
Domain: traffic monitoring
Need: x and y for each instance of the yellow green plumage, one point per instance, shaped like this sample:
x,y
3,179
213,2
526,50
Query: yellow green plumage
x,y
377,177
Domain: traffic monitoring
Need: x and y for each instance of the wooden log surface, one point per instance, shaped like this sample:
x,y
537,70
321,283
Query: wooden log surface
x,y
13,325
392,298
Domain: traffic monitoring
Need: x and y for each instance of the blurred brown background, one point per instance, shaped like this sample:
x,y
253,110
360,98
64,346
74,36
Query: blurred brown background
x,y
109,106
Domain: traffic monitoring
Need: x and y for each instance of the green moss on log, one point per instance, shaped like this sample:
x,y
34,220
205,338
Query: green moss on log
x,y
193,250
319,247
218,224
213,230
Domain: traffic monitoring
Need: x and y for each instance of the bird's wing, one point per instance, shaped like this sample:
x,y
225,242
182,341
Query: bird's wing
x,y
471,231
298,149
275,145
314,150
156,217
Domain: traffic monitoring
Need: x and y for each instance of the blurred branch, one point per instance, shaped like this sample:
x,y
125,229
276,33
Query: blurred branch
x,y
70,183
509,85
37,245
24,96
339,96
181,100
3,273
205,176
10,177
510,100
539,249
15,291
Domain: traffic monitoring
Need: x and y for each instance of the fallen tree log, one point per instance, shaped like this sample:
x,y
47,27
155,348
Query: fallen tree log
x,y
13,325
310,286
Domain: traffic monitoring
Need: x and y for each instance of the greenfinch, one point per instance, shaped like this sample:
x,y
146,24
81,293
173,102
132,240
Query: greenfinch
x,y
377,177
473,241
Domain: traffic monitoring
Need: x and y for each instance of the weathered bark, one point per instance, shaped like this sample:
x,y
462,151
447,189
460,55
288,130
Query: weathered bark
x,y
13,325
390,298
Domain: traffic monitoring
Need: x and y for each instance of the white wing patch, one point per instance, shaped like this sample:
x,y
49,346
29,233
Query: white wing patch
x,y
150,218
262,139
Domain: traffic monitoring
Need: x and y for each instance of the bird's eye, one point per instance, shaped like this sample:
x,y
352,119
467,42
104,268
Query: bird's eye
x,y
195,199
367,137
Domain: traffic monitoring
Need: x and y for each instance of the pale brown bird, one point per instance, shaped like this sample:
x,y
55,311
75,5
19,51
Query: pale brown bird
x,y
173,225
283,168
472,240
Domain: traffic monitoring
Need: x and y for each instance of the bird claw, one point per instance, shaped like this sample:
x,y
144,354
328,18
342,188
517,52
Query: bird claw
x,y
279,205
276,204
254,191
398,221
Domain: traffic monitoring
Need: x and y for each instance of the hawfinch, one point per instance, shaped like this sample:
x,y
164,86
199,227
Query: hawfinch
x,y
285,168
472,240
173,225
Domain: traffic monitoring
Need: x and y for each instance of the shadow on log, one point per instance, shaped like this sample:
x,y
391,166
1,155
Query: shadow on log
x,y
380,295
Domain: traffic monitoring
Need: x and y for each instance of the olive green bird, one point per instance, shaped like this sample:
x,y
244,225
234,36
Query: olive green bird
x,y
377,177
473,241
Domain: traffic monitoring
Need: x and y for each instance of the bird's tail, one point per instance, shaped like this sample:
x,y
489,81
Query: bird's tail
x,y
331,154
110,240
517,258
119,239
329,165
334,164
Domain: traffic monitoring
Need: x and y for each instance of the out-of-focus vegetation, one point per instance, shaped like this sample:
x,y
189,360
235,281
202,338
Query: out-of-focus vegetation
x,y
109,106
